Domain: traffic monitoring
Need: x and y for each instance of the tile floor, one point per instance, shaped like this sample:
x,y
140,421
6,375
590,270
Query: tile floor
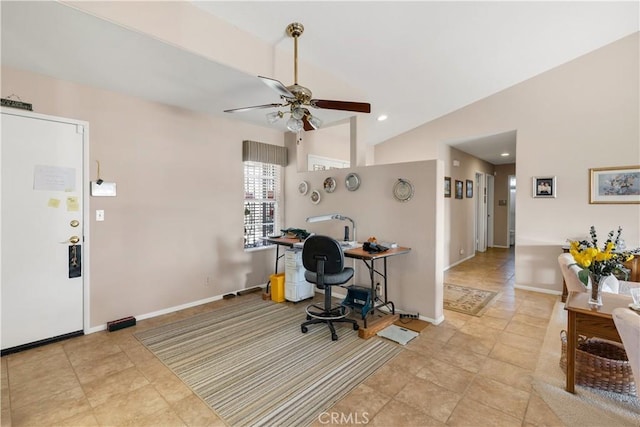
x,y
467,371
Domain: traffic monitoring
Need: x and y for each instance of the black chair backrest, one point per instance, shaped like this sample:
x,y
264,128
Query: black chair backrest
x,y
323,247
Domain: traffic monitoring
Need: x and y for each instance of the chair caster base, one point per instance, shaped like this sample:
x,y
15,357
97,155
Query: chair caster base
x,y
334,337
304,329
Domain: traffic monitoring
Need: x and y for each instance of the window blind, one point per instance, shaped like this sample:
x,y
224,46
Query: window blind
x,y
262,192
254,151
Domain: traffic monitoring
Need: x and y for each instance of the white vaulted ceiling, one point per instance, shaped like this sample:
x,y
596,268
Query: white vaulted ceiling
x,y
413,61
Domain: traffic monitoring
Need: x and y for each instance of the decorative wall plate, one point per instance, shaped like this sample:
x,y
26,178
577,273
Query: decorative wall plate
x,y
303,187
352,181
403,190
329,185
315,197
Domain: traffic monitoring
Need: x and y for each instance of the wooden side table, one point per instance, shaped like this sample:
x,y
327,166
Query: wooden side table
x,y
583,319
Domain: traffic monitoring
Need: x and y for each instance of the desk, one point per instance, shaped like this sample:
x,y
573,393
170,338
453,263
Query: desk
x,y
589,321
281,241
369,259
355,253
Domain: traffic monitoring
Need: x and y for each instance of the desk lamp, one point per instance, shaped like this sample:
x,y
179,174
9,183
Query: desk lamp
x,y
328,217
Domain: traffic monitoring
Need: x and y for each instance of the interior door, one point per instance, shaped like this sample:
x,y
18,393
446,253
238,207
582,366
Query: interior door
x,y
490,190
481,213
42,215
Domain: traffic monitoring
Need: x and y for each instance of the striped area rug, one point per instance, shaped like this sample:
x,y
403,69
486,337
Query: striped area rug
x,y
251,363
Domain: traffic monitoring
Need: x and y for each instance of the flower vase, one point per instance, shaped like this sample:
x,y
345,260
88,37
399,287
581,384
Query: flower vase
x,y
595,297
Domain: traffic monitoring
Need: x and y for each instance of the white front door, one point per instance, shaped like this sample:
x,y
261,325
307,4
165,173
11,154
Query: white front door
x,y
42,210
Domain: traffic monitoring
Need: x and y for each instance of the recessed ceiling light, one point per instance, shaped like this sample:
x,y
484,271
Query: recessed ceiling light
x,y
382,117
504,154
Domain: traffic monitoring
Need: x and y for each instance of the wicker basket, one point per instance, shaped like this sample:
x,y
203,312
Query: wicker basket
x,y
601,364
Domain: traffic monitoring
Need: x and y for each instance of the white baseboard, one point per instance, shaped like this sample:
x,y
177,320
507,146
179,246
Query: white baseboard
x,y
167,310
541,290
460,261
434,321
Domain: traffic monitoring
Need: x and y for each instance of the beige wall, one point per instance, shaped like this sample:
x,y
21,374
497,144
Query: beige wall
x,y
179,176
415,279
581,115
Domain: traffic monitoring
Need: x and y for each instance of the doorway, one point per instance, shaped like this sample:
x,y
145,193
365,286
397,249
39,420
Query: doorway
x,y
484,211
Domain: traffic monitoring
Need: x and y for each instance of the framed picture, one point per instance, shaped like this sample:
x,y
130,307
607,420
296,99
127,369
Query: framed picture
x,y
469,189
447,186
458,189
614,185
544,186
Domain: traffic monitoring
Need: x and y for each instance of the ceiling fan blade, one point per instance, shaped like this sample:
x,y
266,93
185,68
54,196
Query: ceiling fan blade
x,y
358,107
277,86
240,110
307,125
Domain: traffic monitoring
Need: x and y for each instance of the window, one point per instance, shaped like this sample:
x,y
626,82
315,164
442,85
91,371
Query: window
x,y
261,202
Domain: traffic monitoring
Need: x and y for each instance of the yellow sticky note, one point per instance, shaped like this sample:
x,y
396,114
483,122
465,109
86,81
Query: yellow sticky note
x,y
72,204
53,203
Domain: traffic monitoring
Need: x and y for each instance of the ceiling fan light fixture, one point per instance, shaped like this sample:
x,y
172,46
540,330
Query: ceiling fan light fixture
x,y
294,125
314,122
274,116
297,113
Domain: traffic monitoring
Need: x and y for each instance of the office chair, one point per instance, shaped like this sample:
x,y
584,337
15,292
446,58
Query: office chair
x,y
323,261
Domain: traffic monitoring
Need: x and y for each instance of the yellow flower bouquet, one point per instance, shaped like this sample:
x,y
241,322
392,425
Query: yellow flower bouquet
x,y
598,263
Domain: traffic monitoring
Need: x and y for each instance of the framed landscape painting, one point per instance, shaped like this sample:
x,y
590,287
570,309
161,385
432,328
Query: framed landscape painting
x,y
619,184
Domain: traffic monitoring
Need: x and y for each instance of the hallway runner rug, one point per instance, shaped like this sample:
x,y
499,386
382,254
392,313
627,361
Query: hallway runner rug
x,y
467,300
254,367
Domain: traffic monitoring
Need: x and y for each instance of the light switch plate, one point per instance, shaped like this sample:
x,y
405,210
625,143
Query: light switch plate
x,y
99,215
106,189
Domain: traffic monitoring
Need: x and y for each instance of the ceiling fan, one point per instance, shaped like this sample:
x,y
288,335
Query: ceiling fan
x,y
298,98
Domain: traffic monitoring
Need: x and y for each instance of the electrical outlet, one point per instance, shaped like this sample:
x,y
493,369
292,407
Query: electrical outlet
x,y
99,215
461,251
